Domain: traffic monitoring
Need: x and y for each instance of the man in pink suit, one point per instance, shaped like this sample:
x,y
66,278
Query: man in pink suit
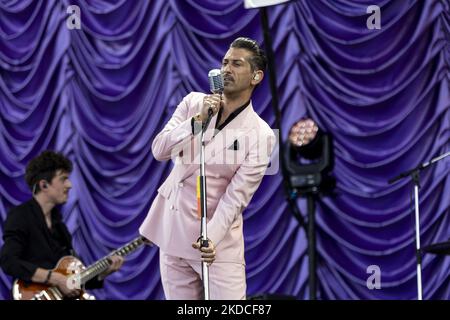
x,y
238,147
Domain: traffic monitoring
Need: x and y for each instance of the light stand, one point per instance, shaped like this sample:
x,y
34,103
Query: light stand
x,y
310,180
311,245
415,176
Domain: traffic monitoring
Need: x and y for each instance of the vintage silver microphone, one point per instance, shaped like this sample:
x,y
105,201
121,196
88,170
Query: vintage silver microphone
x,y
215,81
215,84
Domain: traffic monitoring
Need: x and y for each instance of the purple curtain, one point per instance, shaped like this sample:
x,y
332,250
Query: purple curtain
x,y
101,93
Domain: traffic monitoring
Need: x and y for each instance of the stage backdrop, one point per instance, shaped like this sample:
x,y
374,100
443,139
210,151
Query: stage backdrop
x,y
101,93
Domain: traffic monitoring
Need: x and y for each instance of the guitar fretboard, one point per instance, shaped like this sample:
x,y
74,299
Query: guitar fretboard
x,y
103,264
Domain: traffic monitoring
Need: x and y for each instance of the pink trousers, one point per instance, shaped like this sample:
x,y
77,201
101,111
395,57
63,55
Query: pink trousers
x,y
181,279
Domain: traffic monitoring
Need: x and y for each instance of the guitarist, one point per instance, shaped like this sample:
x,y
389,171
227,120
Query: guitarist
x,y
35,236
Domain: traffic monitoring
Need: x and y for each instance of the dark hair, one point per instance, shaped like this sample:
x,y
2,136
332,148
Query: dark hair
x,y
44,167
258,61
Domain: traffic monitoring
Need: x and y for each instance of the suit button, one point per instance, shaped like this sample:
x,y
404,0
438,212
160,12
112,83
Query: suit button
x,y
181,184
172,207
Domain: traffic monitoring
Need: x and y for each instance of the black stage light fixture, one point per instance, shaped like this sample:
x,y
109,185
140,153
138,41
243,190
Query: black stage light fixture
x,y
309,157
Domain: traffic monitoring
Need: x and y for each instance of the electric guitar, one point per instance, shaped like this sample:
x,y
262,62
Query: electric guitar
x,y
77,274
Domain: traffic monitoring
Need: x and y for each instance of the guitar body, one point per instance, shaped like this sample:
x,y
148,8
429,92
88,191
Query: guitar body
x,y
27,291
68,265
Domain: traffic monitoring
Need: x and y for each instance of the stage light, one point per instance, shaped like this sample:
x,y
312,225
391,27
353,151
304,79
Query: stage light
x,y
303,132
309,157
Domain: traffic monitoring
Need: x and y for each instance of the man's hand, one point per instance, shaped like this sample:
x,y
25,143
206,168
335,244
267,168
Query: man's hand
x,y
116,263
66,285
208,253
212,101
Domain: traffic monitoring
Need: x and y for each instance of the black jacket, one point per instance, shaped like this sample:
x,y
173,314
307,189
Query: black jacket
x,y
29,244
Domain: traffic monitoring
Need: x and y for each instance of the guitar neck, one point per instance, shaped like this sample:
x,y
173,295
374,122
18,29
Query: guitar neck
x,y
103,264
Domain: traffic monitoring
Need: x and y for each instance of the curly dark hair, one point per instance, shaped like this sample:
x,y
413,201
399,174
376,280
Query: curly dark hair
x,y
258,61
44,167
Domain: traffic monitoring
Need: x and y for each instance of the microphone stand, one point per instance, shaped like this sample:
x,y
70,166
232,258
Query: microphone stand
x,y
201,188
415,176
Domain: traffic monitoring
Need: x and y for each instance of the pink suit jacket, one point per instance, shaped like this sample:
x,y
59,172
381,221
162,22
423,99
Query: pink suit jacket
x,y
232,178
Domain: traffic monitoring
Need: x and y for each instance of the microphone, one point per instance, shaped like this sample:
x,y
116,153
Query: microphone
x,y
215,83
